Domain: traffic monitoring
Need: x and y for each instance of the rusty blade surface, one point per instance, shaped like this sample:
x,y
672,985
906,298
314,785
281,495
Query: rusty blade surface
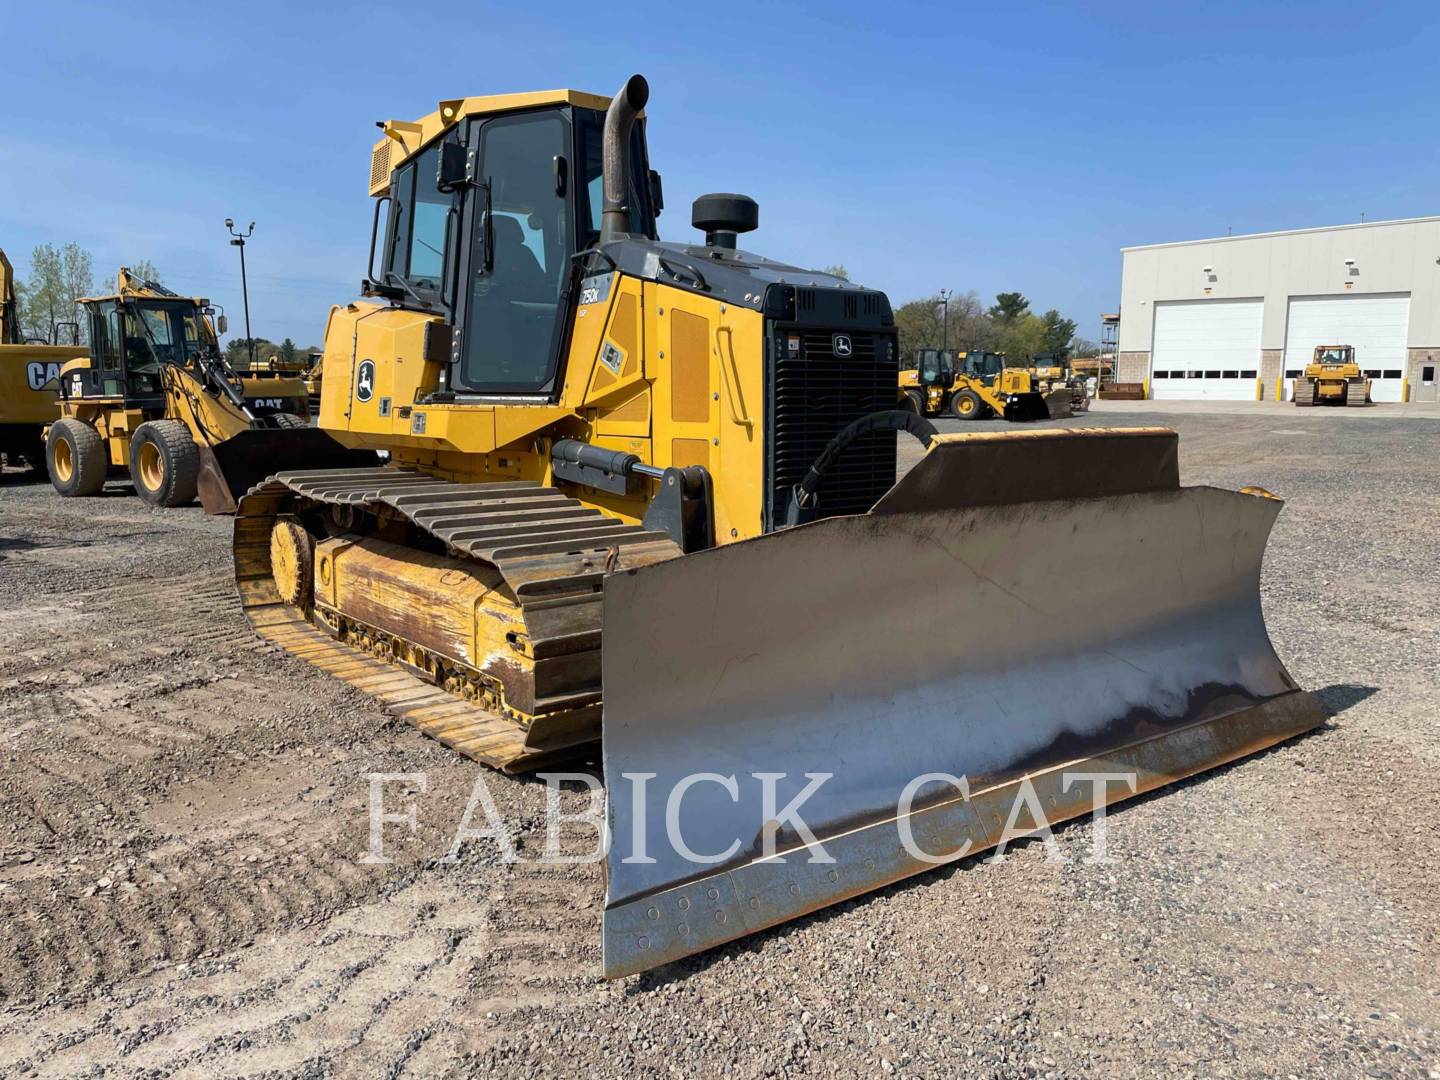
x,y
1121,632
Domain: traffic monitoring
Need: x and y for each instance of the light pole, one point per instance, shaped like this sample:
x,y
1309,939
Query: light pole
x,y
945,295
239,241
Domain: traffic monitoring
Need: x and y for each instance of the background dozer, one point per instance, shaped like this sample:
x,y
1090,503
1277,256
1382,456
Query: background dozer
x,y
28,373
975,386
1332,377
688,451
155,396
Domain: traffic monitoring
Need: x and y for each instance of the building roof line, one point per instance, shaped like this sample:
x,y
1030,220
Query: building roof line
x,y
1284,232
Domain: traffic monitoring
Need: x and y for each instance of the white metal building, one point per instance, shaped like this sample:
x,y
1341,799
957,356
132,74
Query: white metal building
x,y
1238,317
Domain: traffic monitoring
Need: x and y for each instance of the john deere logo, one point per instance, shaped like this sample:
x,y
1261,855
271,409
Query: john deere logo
x,y
365,381
841,344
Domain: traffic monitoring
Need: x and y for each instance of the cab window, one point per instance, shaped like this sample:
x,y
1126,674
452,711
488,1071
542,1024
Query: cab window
x,y
418,217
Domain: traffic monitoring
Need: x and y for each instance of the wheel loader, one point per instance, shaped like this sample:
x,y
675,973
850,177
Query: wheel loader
x,y
1333,377
968,389
28,374
815,678
154,397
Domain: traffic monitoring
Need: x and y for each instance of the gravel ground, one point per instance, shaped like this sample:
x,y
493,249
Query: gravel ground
x,y
182,813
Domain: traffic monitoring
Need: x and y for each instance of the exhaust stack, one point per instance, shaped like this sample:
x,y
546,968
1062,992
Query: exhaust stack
x,y
619,119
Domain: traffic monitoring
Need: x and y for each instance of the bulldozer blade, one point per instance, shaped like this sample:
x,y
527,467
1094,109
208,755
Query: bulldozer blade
x,y
231,468
1022,611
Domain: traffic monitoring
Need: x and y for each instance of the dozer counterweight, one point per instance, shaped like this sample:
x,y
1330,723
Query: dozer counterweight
x,y
687,452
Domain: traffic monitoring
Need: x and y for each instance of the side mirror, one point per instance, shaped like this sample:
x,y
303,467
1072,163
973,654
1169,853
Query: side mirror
x,y
222,324
451,167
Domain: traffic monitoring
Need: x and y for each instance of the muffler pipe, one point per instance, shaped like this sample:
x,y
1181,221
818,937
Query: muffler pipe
x,y
619,119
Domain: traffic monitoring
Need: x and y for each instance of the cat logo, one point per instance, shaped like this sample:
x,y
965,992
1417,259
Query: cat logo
x,y
365,381
266,403
38,374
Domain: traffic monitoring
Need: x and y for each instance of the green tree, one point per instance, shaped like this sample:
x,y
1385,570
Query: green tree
x,y
58,278
1059,334
287,351
1019,339
920,326
238,353
838,270
1009,307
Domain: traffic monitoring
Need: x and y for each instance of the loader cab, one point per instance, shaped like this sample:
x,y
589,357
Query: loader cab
x,y
484,226
131,341
935,367
983,365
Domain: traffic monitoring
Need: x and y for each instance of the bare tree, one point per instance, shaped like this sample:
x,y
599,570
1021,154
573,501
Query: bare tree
x,y
59,277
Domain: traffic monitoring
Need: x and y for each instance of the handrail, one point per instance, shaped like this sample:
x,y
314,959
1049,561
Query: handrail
x,y
739,414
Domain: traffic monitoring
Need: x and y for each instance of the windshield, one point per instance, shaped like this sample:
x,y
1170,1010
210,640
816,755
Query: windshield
x,y
1333,356
164,332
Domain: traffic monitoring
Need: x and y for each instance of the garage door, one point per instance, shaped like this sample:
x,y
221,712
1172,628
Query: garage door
x,y
1206,349
1376,324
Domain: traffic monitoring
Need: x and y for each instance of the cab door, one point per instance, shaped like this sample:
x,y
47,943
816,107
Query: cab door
x,y
521,238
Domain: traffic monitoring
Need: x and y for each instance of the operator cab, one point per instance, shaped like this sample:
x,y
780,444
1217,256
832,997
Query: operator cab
x,y
131,341
493,213
936,367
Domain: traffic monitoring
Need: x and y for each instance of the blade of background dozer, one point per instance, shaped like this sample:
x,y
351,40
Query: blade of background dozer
x,y
1019,605
1060,403
231,468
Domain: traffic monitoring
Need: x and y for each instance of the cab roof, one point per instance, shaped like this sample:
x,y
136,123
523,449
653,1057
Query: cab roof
x,y
403,138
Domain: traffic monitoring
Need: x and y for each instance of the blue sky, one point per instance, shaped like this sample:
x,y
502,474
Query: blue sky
x,y
969,146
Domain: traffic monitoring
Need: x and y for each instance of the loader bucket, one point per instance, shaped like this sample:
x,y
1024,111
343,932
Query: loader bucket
x,y
1021,610
231,468
1029,406
1059,403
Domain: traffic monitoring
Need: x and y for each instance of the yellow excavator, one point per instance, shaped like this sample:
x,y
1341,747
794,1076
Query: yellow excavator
x,y
688,451
155,397
1333,377
29,370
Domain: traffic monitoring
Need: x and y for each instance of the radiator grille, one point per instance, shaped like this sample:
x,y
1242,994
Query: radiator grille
x,y
814,395
380,165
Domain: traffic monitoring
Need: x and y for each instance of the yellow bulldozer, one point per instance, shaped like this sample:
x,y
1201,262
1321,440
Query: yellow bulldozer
x,y
976,386
688,451
29,370
154,396
1333,377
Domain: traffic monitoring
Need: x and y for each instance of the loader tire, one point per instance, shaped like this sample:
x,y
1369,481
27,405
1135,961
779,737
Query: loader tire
x,y
75,458
164,463
913,401
966,405
285,421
